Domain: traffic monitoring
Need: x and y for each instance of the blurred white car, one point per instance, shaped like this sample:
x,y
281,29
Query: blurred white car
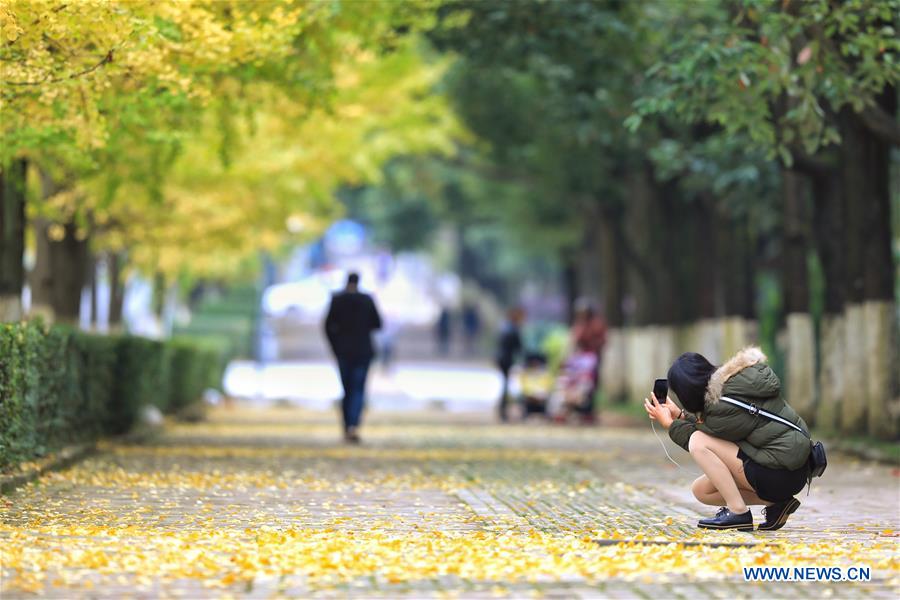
x,y
306,298
309,297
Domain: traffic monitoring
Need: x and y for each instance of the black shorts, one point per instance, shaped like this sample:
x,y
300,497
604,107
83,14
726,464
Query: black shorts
x,y
774,485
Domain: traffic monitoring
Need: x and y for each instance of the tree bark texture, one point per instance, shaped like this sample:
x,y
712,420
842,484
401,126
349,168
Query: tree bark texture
x,y
12,239
645,228
871,353
795,240
114,264
795,286
828,234
570,283
60,271
611,242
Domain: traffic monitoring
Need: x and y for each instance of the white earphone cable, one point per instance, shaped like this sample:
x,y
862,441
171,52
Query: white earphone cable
x,y
653,426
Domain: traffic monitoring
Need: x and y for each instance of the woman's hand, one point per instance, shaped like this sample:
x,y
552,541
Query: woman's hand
x,y
674,409
661,413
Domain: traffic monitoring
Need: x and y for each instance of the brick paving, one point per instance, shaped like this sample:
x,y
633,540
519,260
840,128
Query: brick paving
x,y
246,471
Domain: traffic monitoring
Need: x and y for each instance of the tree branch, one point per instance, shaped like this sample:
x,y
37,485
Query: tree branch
x,y
106,59
494,173
878,121
881,124
810,164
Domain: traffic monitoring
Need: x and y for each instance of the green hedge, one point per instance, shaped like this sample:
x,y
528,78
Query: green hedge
x,y
195,366
140,378
59,386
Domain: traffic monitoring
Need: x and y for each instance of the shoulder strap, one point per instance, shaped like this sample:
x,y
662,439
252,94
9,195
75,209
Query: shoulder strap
x,y
755,410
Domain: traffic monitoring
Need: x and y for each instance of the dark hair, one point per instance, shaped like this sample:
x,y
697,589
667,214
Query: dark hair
x,y
688,377
353,278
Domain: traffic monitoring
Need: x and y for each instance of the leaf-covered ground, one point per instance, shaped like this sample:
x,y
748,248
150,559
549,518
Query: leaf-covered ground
x,y
268,503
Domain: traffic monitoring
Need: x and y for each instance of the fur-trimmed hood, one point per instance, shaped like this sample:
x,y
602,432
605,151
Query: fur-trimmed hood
x,y
749,356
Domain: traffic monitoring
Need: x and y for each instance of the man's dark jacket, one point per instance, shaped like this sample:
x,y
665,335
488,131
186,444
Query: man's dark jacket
x,y
351,320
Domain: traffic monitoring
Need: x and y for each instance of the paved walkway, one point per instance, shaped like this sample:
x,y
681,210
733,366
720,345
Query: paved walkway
x,y
263,503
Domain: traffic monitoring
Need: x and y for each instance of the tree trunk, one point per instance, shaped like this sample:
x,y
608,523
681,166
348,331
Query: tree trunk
x,y
92,282
159,294
832,389
882,378
671,268
60,270
870,375
795,286
710,240
654,223
642,225
41,277
739,269
610,250
570,282
114,262
70,258
878,277
795,280
853,174
590,284
738,303
12,239
614,365
829,221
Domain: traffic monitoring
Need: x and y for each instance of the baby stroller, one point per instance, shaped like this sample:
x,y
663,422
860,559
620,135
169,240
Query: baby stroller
x,y
577,383
535,385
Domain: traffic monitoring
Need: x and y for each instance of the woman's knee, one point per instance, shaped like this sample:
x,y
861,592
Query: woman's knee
x,y
698,442
705,492
701,487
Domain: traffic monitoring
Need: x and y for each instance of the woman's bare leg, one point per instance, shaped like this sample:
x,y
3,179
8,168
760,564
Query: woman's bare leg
x,y
719,461
706,492
728,452
751,498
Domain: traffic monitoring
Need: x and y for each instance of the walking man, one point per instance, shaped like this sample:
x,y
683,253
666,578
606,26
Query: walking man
x,y
352,317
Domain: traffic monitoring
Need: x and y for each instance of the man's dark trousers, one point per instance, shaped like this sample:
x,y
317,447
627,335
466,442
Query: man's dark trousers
x,y
353,378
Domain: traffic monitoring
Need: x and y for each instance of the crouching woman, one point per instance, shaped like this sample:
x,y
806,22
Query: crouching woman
x,y
746,458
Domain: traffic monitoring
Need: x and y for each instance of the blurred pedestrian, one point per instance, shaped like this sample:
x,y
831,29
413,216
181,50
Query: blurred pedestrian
x,y
471,326
576,384
384,267
509,346
442,331
589,336
387,341
352,317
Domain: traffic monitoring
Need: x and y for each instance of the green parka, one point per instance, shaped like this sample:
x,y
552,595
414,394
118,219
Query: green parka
x,y
769,443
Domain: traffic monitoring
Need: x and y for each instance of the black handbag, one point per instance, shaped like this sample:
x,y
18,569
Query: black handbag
x,y
817,461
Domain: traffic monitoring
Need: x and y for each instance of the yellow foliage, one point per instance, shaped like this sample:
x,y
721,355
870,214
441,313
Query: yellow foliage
x,y
193,132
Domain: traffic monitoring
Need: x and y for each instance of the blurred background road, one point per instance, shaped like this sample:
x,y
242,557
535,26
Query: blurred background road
x,y
293,363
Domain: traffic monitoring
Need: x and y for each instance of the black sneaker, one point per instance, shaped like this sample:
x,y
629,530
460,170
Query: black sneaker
x,y
778,513
725,519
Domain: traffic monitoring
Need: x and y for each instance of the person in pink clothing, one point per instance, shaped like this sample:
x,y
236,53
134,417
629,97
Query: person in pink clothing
x,y
588,337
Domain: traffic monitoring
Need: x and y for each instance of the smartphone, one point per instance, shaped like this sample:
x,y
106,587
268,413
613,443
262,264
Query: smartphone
x,y
661,390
